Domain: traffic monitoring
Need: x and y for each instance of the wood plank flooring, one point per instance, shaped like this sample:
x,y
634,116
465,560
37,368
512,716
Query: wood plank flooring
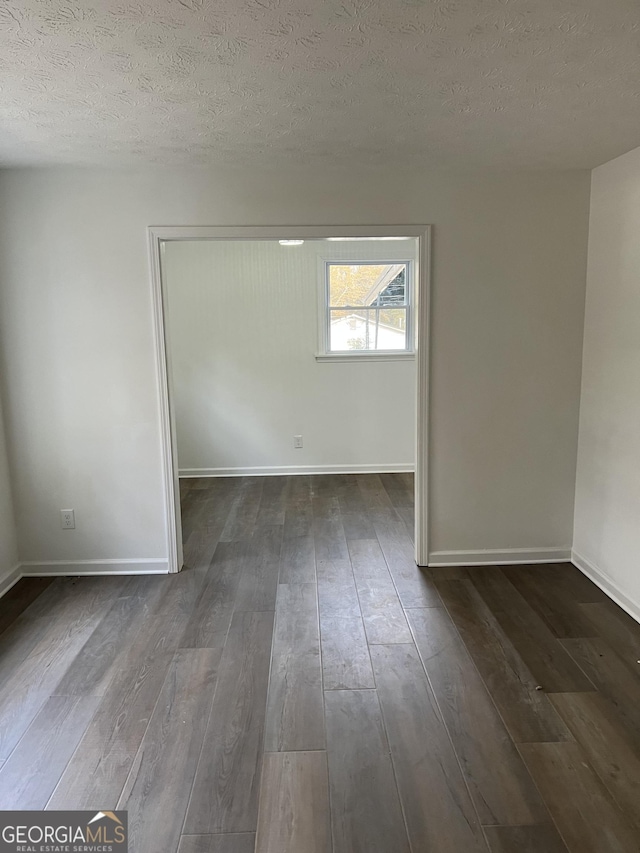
x,y
302,687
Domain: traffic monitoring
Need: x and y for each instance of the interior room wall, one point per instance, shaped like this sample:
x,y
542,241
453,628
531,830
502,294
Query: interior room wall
x,y
77,350
243,330
607,507
8,539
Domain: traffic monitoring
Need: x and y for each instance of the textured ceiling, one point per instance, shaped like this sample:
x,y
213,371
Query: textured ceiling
x,y
474,83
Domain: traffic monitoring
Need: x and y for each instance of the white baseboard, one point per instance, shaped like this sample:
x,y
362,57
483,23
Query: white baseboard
x,y
11,579
500,557
96,567
86,568
274,470
606,584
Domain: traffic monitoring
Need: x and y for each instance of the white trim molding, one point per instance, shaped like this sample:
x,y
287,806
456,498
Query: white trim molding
x,y
84,568
328,357
151,566
10,579
274,470
324,317
422,346
173,517
500,557
606,584
158,235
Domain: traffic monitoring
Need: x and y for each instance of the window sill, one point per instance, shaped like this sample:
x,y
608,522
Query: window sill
x,y
367,356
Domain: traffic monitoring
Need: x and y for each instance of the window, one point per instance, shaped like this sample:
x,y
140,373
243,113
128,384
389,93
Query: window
x,y
367,308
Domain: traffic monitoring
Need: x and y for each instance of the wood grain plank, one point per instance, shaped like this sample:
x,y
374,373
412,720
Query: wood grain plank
x,y
190,507
300,490
224,797
392,480
235,842
182,590
298,517
400,498
612,752
169,750
584,812
616,628
558,610
542,653
74,596
328,533
383,616
365,808
67,606
14,602
243,512
349,495
565,581
367,559
324,485
415,589
33,769
325,504
298,521
357,525
331,485
447,573
95,665
499,783
273,501
408,517
407,478
616,681
527,712
201,543
200,483
436,803
373,492
209,623
30,684
20,639
205,511
259,570
524,839
346,664
99,768
298,560
185,486
294,804
337,594
295,715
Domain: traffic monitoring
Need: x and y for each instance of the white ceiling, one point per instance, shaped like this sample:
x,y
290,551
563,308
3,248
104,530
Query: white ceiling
x,y
473,83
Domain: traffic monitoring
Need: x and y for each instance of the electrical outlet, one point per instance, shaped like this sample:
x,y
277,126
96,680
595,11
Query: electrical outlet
x,y
67,519
297,441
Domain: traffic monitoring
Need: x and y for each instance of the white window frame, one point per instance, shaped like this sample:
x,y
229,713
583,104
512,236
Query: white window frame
x,y
324,313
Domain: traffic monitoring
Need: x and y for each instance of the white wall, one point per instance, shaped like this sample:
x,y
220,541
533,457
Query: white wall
x,y
8,540
243,324
78,356
607,517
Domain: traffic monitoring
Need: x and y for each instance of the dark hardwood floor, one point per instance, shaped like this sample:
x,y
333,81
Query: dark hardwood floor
x,y
301,687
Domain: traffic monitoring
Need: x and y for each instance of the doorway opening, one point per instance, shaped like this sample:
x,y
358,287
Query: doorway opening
x,y
292,351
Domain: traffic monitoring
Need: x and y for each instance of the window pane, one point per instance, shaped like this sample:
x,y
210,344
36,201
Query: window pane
x,y
394,292
367,284
367,330
348,330
392,328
